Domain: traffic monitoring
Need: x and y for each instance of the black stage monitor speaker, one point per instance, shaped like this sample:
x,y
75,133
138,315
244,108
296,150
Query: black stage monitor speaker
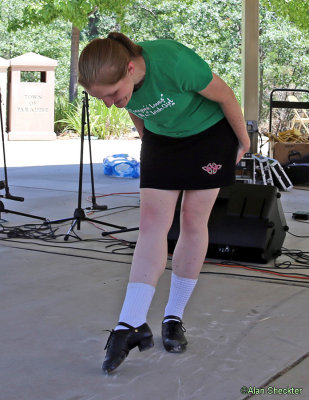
x,y
247,223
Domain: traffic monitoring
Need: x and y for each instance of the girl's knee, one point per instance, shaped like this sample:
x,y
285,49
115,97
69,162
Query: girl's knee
x,y
193,222
154,220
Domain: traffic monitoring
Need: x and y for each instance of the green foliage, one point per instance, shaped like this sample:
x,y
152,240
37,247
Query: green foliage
x,y
62,108
296,11
213,30
75,11
52,41
284,61
104,122
99,25
211,27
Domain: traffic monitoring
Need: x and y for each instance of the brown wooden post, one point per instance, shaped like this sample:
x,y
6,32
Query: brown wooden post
x,y
250,67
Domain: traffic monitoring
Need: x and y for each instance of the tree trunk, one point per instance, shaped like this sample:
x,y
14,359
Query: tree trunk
x,y
74,63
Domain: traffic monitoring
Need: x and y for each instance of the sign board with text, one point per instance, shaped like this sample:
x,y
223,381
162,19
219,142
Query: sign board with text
x,y
31,98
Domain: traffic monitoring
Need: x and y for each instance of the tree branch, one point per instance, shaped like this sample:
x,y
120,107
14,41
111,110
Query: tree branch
x,y
93,11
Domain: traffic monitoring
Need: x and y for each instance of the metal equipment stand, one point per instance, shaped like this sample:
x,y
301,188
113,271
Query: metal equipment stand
x,y
4,184
79,214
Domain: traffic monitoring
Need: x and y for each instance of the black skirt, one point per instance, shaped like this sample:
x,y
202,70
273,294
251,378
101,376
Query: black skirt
x,y
202,161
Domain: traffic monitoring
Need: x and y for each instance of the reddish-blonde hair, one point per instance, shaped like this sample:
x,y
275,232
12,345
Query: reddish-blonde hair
x,y
105,61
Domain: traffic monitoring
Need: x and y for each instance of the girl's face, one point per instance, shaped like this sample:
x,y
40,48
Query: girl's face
x,y
118,94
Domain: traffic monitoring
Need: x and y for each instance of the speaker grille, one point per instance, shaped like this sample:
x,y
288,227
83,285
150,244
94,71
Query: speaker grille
x,y
247,223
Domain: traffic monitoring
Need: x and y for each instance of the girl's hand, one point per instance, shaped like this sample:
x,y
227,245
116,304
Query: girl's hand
x,y
242,149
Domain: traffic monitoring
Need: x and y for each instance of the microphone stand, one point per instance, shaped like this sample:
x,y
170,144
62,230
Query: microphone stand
x,y
4,184
79,214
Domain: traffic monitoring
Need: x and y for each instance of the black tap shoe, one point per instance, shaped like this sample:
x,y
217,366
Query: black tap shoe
x,y
174,340
120,342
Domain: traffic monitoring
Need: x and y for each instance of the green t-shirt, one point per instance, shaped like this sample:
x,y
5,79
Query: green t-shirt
x,y
168,101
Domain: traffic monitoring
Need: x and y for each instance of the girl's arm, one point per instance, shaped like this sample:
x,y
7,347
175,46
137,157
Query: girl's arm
x,y
220,92
138,123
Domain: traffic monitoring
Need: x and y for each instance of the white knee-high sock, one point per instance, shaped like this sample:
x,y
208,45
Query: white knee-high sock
x,y
136,304
180,293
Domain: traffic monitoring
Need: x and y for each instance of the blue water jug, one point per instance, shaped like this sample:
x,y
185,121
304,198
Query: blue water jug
x,y
121,166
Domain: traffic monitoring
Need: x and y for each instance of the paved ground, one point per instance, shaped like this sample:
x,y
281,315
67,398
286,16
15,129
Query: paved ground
x,y
58,297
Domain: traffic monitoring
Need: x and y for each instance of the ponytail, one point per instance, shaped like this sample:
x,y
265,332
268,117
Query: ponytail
x,y
105,61
134,49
